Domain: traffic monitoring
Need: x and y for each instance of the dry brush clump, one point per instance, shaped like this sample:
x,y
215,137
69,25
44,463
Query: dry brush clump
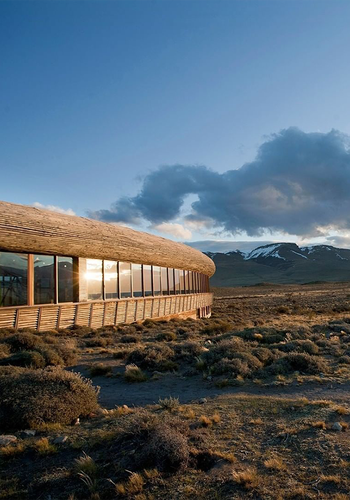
x,y
29,398
27,349
153,358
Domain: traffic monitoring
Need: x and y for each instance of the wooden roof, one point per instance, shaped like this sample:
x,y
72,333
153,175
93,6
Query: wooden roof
x,y
33,230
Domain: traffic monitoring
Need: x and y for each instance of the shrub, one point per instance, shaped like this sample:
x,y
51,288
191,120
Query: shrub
x,y
51,356
69,356
301,362
169,403
96,342
100,370
167,448
153,358
129,339
188,351
23,342
44,447
4,350
299,346
217,327
266,335
134,374
345,360
29,398
28,359
283,310
168,336
231,356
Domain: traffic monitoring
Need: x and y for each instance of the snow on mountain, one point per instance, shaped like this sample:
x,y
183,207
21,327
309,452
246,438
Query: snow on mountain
x,y
265,251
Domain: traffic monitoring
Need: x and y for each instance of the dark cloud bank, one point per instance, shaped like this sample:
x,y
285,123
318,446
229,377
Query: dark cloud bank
x,y
297,183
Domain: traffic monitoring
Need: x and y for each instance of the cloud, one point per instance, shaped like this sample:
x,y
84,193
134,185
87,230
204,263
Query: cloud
x,y
53,208
299,183
174,229
223,246
339,241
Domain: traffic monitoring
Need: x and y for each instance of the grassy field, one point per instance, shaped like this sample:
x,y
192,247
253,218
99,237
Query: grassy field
x,y
252,403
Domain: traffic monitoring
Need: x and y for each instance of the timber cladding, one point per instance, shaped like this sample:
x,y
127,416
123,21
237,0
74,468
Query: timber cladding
x,y
101,313
33,230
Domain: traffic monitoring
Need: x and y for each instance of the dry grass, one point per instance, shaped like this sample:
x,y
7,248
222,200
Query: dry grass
x,y
248,479
44,447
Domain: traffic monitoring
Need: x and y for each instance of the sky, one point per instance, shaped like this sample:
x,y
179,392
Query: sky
x,y
208,122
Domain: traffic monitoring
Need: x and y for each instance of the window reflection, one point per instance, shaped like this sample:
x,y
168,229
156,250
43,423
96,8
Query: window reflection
x,y
125,279
44,279
111,279
171,282
164,278
177,280
187,286
147,280
94,279
65,279
182,281
156,280
13,279
137,280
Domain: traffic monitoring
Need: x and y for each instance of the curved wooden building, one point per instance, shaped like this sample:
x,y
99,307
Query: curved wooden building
x,y
59,270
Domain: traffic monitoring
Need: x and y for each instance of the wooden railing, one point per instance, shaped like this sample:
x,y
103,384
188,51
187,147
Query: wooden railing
x,y
101,313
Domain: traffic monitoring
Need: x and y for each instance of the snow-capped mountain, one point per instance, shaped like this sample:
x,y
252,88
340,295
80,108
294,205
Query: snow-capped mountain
x,y
282,263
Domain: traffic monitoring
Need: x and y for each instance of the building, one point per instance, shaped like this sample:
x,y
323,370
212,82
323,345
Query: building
x,y
59,270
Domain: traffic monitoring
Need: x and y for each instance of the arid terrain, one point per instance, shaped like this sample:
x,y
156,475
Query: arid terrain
x,y
252,403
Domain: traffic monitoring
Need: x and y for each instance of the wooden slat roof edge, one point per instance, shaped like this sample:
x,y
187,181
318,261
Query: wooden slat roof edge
x,y
30,229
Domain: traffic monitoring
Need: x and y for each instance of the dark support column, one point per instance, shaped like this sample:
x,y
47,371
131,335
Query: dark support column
x,y
30,280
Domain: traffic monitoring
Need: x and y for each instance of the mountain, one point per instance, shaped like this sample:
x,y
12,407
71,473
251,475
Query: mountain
x,y
281,263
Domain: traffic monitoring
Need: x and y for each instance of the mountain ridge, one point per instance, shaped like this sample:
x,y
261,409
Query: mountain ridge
x,y
281,263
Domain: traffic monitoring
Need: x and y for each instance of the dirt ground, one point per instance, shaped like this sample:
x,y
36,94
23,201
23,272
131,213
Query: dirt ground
x,y
253,403
245,307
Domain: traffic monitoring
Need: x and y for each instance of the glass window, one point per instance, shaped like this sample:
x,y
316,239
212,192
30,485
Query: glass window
x,y
44,279
156,280
182,281
94,279
125,279
111,279
171,282
13,279
192,279
177,280
196,282
147,280
65,279
187,282
164,276
137,280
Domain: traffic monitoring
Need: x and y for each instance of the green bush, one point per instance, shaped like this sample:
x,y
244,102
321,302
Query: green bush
x,y
32,397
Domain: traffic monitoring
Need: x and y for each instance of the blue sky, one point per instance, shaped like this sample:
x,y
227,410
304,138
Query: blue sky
x,y
97,95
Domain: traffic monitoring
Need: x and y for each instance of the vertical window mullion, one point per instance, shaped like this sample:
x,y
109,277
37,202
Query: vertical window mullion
x,y
55,265
118,281
152,282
